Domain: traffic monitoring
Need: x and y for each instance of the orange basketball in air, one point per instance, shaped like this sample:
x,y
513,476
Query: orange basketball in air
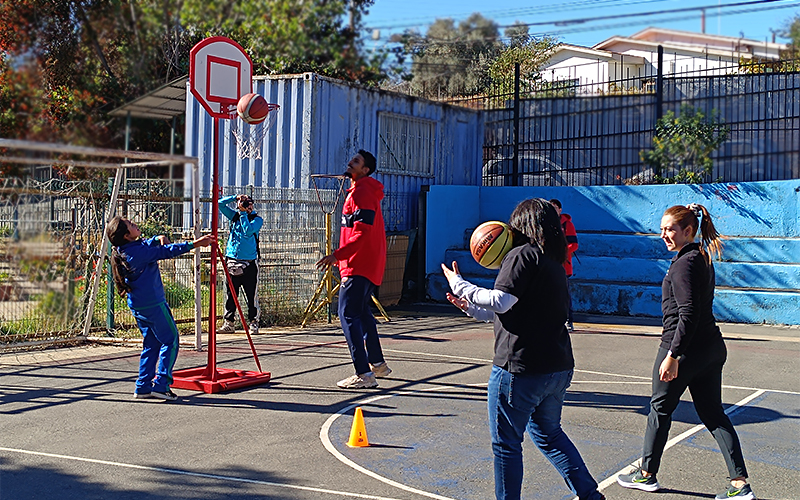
x,y
252,108
490,242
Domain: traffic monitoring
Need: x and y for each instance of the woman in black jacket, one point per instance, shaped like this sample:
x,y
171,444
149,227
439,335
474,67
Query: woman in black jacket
x,y
533,363
692,352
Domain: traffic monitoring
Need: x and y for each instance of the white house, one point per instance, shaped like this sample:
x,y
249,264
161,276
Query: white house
x,y
631,63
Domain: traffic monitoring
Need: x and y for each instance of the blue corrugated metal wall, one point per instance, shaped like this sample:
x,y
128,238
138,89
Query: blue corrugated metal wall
x,y
320,126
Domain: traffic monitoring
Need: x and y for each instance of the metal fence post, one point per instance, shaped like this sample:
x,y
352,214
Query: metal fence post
x,y
660,84
515,162
422,204
110,275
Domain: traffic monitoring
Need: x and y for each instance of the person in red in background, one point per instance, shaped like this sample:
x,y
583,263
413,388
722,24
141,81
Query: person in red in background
x,y
572,246
361,258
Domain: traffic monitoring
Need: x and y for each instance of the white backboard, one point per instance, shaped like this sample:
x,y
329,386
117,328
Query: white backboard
x,y
220,72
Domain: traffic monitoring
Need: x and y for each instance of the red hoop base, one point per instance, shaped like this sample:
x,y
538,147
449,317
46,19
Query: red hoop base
x,y
199,379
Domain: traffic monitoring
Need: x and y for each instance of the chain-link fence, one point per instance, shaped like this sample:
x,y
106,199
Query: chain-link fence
x,y
51,231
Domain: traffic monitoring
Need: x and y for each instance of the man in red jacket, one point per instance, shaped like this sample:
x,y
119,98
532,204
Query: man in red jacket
x,y
572,246
361,258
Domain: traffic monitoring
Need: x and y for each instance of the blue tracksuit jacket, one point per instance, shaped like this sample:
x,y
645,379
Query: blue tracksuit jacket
x,y
144,277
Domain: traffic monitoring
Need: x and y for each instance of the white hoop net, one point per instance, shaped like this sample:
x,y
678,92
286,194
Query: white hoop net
x,y
249,138
331,183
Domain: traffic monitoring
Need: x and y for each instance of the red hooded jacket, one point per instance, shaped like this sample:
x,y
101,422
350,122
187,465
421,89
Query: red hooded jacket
x,y
572,241
362,241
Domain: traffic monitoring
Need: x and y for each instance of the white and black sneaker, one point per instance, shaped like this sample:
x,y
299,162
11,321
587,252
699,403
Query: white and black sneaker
x,y
227,327
168,395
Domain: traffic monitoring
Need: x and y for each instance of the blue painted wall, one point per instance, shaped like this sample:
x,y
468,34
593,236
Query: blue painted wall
x,y
621,259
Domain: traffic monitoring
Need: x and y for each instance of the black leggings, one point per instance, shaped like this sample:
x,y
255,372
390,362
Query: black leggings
x,y
701,373
248,281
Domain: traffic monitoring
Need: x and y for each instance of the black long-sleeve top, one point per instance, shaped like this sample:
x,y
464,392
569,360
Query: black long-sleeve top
x,y
686,303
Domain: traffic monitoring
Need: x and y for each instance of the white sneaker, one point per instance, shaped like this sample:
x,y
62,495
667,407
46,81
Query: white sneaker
x,y
227,327
254,328
363,381
381,370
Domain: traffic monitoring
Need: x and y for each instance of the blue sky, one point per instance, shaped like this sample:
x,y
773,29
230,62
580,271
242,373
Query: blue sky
x,y
754,21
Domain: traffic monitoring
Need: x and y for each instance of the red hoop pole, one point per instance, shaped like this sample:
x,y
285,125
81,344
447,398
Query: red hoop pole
x,y
211,369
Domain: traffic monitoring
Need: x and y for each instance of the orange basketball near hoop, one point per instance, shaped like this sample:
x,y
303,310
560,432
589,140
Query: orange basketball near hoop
x,y
252,108
490,242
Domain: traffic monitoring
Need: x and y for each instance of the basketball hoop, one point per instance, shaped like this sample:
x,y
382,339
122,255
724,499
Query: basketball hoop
x,y
249,138
338,181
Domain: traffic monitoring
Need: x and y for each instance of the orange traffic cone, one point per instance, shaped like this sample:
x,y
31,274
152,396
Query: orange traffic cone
x,y
358,432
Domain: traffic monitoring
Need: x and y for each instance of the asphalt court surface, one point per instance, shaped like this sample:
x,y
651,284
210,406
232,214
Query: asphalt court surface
x,y
70,429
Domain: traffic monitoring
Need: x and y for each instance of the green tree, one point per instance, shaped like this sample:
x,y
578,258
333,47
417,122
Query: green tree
x,y
65,64
291,36
529,51
683,145
791,30
452,60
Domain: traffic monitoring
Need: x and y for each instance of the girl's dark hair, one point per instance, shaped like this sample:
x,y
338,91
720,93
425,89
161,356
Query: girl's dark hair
x,y
698,216
116,230
537,220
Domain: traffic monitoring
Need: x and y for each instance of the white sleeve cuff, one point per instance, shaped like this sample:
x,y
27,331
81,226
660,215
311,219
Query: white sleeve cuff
x,y
479,313
493,300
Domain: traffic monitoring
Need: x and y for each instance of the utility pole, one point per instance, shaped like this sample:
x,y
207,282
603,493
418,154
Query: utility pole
x,y
353,16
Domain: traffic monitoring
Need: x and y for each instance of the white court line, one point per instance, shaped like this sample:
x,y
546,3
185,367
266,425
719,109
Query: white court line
x,y
677,439
196,474
603,484
326,441
591,372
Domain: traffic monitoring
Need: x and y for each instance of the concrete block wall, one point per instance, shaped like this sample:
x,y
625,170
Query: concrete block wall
x,y
622,260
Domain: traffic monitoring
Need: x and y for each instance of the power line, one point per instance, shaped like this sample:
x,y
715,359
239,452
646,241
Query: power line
x,y
569,6
667,19
641,14
711,8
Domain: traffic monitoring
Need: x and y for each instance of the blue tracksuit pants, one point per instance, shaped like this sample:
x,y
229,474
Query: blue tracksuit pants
x,y
159,348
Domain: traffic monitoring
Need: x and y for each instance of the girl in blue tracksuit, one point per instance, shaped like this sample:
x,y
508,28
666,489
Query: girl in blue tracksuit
x,y
134,263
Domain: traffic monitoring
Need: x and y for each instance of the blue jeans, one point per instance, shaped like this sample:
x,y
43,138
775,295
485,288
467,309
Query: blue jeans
x,y
358,323
159,348
532,401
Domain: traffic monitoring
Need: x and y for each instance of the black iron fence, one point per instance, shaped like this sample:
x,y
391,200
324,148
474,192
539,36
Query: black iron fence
x,y
588,125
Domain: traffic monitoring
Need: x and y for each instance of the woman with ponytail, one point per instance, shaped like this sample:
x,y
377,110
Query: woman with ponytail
x,y
692,352
134,264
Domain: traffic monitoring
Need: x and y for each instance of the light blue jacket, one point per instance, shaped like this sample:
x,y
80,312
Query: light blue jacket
x,y
242,240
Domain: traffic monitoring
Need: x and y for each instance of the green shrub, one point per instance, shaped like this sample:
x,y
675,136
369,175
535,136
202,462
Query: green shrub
x,y
177,294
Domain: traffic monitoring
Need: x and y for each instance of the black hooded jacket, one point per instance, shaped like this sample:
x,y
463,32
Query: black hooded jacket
x,y
687,301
